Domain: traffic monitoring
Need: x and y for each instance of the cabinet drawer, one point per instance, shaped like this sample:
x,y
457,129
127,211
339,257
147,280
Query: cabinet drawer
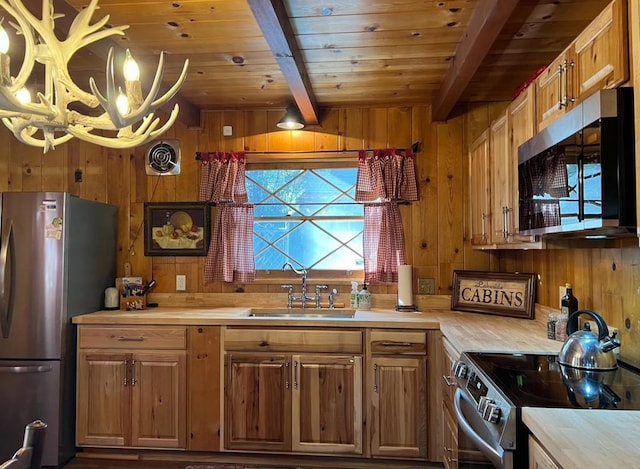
x,y
398,342
146,337
292,340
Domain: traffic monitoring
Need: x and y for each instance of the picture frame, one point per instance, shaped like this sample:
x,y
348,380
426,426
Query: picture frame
x,y
176,228
497,293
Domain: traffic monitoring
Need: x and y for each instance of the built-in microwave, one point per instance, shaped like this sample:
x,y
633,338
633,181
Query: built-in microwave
x,y
577,176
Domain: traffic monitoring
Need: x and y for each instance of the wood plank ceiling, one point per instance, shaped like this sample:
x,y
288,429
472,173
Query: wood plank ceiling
x,y
252,54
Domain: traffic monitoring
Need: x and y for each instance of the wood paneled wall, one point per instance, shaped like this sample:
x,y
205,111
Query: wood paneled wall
x,y
434,227
605,280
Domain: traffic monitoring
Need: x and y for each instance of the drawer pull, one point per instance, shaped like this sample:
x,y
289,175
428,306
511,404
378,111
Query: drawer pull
x,y
396,344
130,339
449,380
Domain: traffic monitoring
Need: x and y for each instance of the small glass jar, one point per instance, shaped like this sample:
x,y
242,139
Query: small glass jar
x,y
561,327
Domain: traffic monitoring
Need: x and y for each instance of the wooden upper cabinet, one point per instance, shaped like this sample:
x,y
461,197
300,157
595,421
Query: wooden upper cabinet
x,y
602,52
521,123
479,190
502,180
598,58
553,89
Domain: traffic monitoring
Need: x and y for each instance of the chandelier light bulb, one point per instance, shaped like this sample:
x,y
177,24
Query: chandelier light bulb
x,y
4,40
122,103
130,68
23,96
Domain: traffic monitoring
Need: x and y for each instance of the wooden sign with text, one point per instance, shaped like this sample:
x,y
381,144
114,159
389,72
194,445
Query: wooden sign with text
x,y
501,294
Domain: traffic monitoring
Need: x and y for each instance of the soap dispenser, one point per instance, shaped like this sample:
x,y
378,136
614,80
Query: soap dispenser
x,y
364,298
353,297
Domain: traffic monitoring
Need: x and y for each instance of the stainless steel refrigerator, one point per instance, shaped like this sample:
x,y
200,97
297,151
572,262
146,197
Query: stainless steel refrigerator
x,y
57,256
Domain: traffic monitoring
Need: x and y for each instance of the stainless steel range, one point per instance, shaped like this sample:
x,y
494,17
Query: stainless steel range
x,y
493,388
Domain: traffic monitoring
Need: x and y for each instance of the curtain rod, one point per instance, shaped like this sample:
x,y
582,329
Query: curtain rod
x,y
415,148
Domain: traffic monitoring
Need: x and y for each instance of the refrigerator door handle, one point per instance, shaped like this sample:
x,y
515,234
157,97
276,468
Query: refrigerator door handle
x,y
26,369
6,261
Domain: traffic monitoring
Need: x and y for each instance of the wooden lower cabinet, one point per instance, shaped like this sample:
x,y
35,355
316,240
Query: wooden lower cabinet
x,y
397,393
398,407
131,386
135,399
303,403
538,456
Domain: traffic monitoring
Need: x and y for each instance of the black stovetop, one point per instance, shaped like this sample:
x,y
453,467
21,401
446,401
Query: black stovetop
x,y
538,380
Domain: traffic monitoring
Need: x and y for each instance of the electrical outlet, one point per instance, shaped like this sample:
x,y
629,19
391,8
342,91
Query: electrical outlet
x,y
181,282
426,286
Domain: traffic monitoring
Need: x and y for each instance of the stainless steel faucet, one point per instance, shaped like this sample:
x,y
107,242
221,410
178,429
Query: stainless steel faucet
x,y
303,295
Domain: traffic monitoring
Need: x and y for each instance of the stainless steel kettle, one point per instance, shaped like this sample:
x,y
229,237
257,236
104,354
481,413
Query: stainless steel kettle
x,y
583,349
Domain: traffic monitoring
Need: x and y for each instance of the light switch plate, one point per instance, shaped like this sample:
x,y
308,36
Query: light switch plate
x,y
227,131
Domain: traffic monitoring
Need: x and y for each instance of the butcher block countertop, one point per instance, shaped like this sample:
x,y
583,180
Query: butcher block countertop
x,y
575,438
465,331
581,438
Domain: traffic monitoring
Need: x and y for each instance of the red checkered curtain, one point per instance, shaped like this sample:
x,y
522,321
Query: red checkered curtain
x,y
383,241
385,177
222,181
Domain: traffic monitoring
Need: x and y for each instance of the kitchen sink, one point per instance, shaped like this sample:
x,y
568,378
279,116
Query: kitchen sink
x,y
302,313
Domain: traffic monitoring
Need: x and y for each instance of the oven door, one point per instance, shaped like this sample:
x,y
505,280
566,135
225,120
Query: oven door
x,y
471,424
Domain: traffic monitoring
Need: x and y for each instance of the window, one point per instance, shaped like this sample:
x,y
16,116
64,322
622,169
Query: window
x,y
306,216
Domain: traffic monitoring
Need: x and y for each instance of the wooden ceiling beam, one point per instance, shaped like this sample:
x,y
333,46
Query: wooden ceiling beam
x,y
487,20
188,115
273,20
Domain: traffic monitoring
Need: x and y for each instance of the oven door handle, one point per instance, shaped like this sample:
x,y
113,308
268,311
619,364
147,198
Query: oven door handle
x,y
494,455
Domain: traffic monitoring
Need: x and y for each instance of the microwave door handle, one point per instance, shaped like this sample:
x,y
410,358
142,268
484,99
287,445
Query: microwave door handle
x,y
6,261
495,456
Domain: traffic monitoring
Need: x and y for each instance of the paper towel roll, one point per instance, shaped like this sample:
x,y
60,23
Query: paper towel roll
x,y
405,285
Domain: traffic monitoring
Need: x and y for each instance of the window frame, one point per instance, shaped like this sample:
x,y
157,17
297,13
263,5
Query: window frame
x,y
304,161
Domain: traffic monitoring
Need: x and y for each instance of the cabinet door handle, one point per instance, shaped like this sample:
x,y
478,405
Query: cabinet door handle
x,y
286,376
133,372
449,380
560,70
295,375
568,66
126,372
376,373
505,221
130,339
484,230
396,344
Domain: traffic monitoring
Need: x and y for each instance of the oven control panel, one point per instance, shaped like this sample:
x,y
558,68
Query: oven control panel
x,y
491,405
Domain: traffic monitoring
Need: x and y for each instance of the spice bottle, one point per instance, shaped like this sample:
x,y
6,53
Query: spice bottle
x,y
552,319
561,327
568,303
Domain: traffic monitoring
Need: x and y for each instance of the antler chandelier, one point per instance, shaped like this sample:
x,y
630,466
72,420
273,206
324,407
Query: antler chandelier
x,y
49,121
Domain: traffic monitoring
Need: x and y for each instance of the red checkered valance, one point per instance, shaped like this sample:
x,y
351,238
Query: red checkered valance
x,y
386,175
